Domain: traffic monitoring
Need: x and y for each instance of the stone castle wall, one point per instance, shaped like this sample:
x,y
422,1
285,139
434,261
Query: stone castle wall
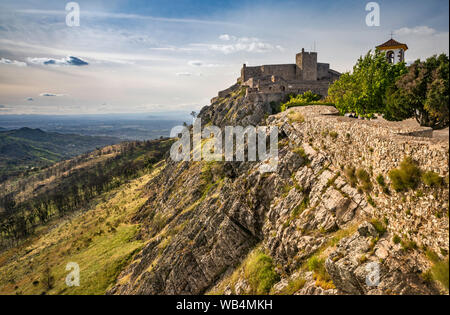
x,y
287,71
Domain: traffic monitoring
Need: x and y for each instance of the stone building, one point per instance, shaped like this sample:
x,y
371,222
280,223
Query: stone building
x,y
395,51
306,74
273,82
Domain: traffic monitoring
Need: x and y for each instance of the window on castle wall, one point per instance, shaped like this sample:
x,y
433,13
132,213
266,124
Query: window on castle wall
x,y
283,88
390,56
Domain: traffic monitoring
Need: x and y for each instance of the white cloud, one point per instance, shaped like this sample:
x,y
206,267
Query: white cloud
x,y
418,30
241,44
184,74
12,62
226,37
51,94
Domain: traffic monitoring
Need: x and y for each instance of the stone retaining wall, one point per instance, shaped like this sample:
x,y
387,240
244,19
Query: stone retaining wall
x,y
378,147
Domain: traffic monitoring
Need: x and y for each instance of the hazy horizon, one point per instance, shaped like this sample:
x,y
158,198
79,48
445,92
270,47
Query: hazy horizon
x,y
157,56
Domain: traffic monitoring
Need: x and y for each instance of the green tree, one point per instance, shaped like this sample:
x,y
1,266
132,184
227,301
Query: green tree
x,y
422,93
364,90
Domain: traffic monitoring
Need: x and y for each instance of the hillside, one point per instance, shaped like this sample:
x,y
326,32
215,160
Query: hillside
x,y
347,193
24,148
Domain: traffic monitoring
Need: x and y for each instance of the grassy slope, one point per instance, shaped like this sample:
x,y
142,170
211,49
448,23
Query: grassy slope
x,y
101,240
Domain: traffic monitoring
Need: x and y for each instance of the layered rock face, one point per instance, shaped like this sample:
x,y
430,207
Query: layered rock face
x,y
320,228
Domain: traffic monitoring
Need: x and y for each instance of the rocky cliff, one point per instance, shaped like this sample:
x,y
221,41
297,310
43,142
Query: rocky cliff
x,y
315,226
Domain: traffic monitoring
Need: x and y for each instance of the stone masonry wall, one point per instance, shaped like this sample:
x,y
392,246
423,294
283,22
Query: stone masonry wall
x,y
378,147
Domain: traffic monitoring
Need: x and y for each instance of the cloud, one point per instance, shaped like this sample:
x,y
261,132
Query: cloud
x,y
241,44
195,63
29,99
226,37
68,61
12,62
418,30
51,94
2,106
125,16
199,63
184,74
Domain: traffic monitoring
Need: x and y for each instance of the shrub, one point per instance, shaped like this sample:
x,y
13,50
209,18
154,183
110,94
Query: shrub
x,y
307,98
333,134
260,273
364,178
381,181
408,245
396,239
379,226
349,172
432,179
407,176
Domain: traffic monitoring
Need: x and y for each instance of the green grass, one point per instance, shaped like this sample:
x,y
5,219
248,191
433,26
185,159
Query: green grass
x,y
439,270
101,240
432,179
257,269
300,151
440,273
379,226
371,202
101,263
301,207
293,286
260,273
317,266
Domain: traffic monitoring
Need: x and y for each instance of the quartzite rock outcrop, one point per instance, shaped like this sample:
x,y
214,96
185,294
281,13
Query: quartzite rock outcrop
x,y
203,218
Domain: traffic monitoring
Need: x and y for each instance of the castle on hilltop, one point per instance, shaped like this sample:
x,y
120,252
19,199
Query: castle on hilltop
x,y
273,82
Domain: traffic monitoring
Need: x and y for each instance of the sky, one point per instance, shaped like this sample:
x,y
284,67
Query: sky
x,y
159,56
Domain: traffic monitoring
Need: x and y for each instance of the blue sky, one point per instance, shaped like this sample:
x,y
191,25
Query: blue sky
x,y
159,56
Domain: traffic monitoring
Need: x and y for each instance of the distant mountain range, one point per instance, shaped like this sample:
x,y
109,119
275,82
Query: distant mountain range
x,y
25,148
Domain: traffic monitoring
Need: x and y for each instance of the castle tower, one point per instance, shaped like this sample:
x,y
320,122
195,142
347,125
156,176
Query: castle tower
x,y
395,51
306,66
